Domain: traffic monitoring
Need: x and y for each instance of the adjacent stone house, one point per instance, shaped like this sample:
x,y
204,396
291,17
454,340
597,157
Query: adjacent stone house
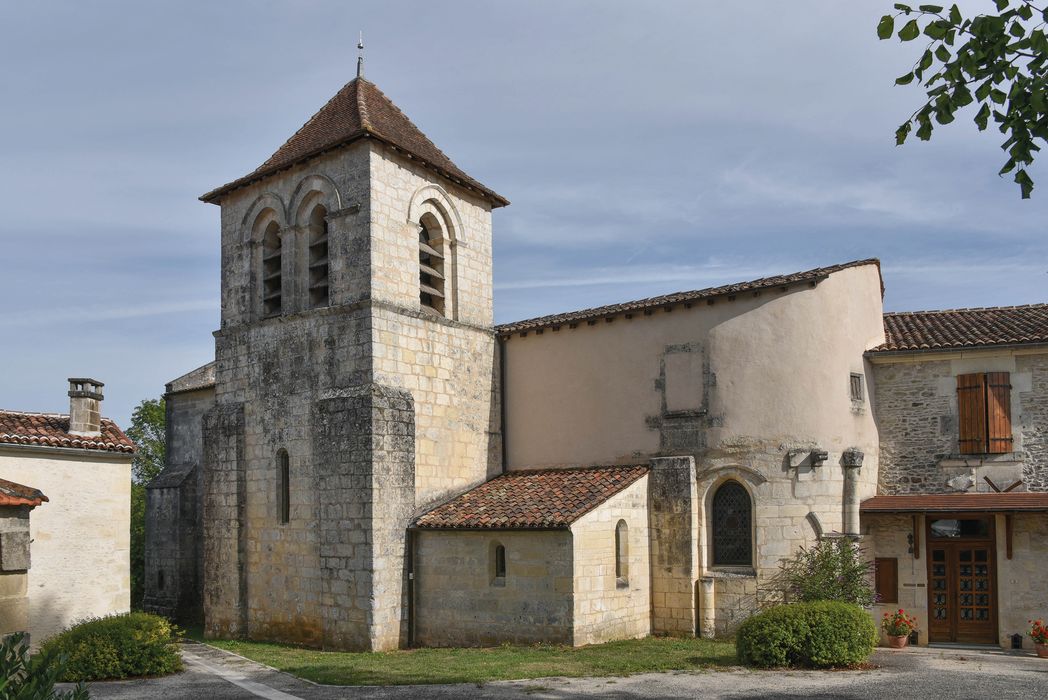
x,y
81,540
371,463
16,503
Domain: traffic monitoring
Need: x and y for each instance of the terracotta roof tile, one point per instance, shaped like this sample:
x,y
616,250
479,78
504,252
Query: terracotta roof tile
x,y
947,502
547,499
816,275
12,494
52,430
965,328
359,110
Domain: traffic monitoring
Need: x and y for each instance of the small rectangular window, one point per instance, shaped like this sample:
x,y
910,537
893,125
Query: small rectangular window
x,y
886,576
856,387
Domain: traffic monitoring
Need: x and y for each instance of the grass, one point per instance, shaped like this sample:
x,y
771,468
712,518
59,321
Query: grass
x,y
422,666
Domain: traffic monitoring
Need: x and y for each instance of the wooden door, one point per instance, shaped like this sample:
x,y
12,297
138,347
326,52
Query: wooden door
x,y
962,583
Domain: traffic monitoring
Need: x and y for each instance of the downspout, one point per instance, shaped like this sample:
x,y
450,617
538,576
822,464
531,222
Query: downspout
x,y
851,463
411,539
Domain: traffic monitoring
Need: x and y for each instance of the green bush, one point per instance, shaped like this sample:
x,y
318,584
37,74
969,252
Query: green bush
x,y
812,635
118,646
22,679
833,569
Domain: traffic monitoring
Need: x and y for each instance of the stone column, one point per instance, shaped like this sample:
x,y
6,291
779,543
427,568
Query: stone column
x,y
673,522
851,463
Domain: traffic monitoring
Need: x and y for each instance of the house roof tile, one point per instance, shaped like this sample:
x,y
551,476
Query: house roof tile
x,y
52,430
547,499
12,494
964,328
956,502
359,110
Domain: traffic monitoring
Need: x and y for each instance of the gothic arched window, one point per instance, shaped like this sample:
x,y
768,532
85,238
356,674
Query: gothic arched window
x,y
318,258
622,555
431,265
284,486
732,526
271,270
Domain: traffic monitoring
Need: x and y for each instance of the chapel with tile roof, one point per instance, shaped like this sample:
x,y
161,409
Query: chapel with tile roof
x,y
370,463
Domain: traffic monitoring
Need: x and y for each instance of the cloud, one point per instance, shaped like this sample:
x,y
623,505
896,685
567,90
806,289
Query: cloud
x,y
95,313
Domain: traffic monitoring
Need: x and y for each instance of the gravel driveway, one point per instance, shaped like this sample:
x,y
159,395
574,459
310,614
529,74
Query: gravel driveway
x,y
213,674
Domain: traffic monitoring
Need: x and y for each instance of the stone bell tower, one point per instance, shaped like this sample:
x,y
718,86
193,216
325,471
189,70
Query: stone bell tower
x,y
355,378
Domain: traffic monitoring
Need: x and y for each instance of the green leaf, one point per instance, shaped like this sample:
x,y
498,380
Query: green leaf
x,y
983,91
903,8
924,132
997,96
1009,165
1002,5
1017,30
934,9
886,27
1025,11
926,61
901,133
983,117
904,79
942,53
955,15
910,32
1024,182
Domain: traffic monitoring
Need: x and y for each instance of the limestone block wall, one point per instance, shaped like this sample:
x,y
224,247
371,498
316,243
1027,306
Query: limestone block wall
x,y
15,560
451,371
916,405
888,535
605,607
81,538
673,518
460,603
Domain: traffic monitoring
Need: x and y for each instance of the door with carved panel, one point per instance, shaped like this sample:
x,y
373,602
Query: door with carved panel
x,y
962,580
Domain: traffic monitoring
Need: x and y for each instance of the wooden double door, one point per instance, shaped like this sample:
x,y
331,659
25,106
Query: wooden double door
x,y
962,580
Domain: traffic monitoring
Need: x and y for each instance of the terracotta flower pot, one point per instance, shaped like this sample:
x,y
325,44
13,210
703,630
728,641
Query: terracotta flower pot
x,y
1042,650
898,641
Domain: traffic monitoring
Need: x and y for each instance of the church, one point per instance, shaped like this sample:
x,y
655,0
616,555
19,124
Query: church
x,y
370,463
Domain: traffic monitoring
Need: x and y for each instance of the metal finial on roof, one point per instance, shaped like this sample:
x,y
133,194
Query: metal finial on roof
x,y
360,56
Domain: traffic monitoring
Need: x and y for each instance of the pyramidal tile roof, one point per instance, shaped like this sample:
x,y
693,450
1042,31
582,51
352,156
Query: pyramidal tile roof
x,y
52,430
543,499
359,110
907,331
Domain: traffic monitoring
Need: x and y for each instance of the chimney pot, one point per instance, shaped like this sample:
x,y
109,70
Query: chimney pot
x,y
85,406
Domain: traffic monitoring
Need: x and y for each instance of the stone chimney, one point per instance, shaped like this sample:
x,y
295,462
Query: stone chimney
x,y
85,407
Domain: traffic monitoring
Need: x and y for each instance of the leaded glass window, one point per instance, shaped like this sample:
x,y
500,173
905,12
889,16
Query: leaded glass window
x,y
732,525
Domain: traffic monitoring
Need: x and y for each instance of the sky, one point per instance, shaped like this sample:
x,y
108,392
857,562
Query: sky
x,y
646,148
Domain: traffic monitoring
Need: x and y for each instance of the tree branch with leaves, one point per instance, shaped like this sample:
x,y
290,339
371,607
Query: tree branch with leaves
x,y
998,61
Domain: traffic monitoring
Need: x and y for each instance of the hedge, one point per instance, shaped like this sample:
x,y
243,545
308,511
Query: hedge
x,y
813,635
117,646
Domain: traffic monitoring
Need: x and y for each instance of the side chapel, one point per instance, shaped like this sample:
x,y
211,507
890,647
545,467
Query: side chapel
x,y
370,463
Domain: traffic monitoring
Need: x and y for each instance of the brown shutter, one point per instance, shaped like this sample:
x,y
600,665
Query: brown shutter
x,y
998,412
886,579
971,413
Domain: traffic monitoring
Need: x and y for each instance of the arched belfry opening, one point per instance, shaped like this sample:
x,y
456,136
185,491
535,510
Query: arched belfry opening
x,y
431,265
319,290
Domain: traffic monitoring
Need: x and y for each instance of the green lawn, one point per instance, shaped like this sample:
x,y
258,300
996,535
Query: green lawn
x,y
417,666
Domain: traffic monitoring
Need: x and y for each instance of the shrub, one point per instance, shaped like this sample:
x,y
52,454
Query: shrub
x,y
834,569
25,680
117,646
815,635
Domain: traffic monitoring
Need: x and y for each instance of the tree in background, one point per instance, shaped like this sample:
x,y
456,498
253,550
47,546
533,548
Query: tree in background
x,y
148,432
996,60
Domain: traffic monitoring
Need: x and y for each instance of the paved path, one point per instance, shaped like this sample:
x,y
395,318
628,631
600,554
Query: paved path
x,y
213,674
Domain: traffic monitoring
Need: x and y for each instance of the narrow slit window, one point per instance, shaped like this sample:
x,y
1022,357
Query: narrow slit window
x,y
319,294
431,268
622,555
856,387
500,562
272,290
284,486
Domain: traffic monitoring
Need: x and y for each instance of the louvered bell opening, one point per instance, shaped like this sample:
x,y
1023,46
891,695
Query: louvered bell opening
x,y
318,259
431,274
426,249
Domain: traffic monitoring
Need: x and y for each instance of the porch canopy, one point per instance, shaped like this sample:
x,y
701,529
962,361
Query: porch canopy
x,y
957,503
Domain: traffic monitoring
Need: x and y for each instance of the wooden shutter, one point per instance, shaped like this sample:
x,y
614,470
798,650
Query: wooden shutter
x,y
971,412
998,412
886,579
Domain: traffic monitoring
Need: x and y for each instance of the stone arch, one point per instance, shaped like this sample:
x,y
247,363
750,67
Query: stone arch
x,y
720,494
434,198
709,482
311,190
270,201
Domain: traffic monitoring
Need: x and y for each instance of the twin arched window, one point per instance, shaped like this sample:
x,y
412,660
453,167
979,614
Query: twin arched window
x,y
308,253
731,524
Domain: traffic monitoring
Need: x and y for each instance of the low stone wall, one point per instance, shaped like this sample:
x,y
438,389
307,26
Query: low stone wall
x,y
459,603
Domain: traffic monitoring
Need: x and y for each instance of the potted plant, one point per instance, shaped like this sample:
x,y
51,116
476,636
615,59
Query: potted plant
x,y
1039,635
897,627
